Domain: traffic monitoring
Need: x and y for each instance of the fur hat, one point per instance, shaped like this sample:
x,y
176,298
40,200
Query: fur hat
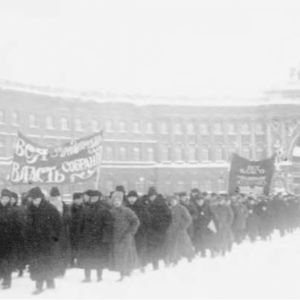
x,y
95,193
133,194
88,192
14,195
54,192
5,193
120,188
152,191
77,196
36,193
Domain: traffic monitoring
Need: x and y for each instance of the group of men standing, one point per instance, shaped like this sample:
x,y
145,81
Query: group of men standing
x,y
124,232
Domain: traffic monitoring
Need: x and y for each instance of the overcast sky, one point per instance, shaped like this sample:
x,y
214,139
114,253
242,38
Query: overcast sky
x,y
191,48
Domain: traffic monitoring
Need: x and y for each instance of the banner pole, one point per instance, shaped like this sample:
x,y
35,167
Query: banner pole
x,y
97,183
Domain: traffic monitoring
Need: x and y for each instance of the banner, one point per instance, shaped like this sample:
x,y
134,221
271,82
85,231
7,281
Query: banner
x,y
250,177
73,162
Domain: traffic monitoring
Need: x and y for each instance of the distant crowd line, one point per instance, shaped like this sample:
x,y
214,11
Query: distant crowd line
x,y
124,232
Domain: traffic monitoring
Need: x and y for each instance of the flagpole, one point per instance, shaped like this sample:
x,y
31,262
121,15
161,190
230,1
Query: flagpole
x,y
97,185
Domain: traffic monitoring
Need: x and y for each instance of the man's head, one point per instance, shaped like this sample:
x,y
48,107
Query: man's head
x,y
132,197
5,197
95,196
78,198
117,198
37,196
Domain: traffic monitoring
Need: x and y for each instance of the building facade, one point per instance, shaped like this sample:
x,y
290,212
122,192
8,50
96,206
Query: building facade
x,y
174,147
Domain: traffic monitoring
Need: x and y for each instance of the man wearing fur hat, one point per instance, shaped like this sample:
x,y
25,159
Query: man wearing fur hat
x,y
125,226
95,236
64,239
10,231
44,230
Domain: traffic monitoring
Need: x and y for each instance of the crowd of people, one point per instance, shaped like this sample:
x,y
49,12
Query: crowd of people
x,y
43,235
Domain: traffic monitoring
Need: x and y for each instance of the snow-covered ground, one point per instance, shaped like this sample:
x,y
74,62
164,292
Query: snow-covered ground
x,y
265,270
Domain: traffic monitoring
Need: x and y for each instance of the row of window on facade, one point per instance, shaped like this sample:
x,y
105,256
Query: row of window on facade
x,y
50,123
136,127
179,153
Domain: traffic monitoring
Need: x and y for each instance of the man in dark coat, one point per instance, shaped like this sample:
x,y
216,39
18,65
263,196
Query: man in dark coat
x,y
178,241
76,215
64,238
141,237
95,235
160,220
10,233
240,213
125,226
205,227
191,207
252,223
44,229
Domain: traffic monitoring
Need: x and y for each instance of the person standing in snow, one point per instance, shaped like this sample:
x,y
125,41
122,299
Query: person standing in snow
x,y
44,226
125,226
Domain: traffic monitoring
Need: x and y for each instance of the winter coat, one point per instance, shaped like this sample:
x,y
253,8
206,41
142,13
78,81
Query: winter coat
x,y
160,220
203,231
44,225
125,226
178,242
192,209
76,216
252,223
95,236
266,214
224,218
141,237
64,240
10,235
240,213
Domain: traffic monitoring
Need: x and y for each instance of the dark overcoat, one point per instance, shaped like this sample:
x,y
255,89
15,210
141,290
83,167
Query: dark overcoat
x,y
44,225
178,242
141,236
240,214
204,235
160,220
95,236
125,226
10,234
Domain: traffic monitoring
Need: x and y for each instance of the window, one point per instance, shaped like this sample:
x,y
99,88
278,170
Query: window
x,y
123,154
164,128
205,153
190,128
49,122
180,186
109,126
2,147
15,118
136,154
94,125
2,117
78,125
177,128
221,185
259,128
150,154
231,150
246,152
259,152
217,128
165,153
109,186
122,126
150,127
136,127
109,156
178,153
245,128
203,129
33,121
208,185
64,122
231,128
192,153
219,153
194,184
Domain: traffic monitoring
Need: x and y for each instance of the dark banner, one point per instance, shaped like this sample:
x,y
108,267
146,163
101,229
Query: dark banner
x,y
250,177
73,162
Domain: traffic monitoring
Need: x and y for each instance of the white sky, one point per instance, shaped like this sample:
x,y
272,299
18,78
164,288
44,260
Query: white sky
x,y
152,47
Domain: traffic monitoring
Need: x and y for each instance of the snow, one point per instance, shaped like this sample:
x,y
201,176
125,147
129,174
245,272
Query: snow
x,y
266,269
